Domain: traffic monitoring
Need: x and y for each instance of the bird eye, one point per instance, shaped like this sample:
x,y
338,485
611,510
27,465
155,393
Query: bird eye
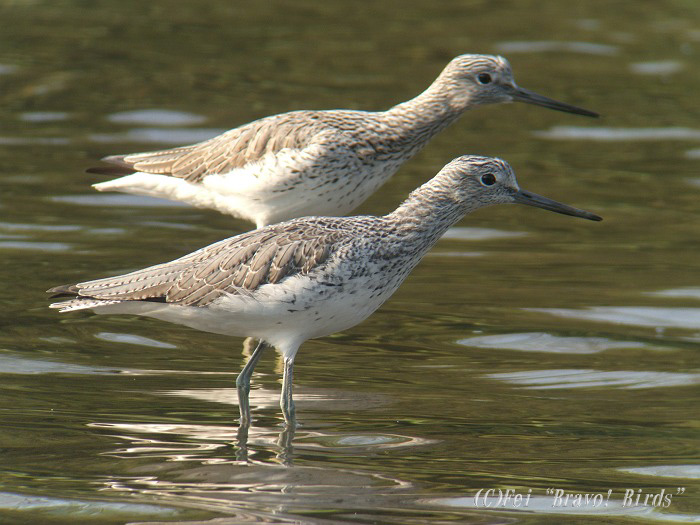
x,y
484,78
488,179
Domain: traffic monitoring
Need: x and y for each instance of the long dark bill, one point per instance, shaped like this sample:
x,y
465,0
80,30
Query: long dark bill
x,y
538,201
530,97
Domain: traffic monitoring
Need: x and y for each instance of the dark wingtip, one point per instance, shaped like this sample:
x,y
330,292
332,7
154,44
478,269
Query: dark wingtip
x,y
110,170
117,166
159,299
64,290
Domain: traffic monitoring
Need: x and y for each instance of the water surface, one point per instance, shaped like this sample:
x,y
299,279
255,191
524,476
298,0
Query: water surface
x,y
530,352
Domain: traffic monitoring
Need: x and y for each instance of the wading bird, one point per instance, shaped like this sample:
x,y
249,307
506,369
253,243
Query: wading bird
x,y
316,162
308,277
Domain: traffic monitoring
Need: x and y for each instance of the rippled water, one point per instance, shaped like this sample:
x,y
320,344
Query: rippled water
x,y
534,368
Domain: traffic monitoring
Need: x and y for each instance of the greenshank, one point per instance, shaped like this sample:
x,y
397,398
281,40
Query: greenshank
x,y
308,277
316,162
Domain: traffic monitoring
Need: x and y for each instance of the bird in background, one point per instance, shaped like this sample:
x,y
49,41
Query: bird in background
x,y
309,277
316,162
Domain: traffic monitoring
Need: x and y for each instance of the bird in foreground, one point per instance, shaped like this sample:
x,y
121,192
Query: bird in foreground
x,y
308,277
316,162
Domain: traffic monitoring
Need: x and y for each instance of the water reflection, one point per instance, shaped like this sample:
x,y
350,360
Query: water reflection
x,y
22,237
544,342
685,293
204,466
259,444
440,253
547,46
132,340
14,364
117,200
284,444
617,134
36,246
81,509
666,471
271,492
461,233
651,316
11,226
551,379
77,427
306,399
10,364
43,116
34,141
156,117
661,67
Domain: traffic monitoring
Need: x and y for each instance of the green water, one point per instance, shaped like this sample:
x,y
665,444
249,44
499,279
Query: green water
x,y
530,351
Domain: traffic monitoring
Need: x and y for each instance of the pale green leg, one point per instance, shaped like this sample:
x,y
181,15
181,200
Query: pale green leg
x,y
243,383
286,401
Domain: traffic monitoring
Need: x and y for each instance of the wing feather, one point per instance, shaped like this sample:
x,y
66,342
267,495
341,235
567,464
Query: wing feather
x,y
230,150
239,266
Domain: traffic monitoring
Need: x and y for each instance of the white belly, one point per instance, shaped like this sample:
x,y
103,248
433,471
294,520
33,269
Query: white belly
x,y
288,184
284,314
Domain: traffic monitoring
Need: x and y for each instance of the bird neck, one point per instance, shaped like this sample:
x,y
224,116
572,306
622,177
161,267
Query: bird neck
x,y
418,120
429,211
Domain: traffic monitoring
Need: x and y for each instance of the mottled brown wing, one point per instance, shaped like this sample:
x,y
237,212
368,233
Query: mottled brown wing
x,y
245,267
232,149
239,265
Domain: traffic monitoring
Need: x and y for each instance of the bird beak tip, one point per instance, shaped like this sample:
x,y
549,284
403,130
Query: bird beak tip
x,y
530,97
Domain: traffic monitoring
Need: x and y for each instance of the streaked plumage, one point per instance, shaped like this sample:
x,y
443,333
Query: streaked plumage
x,y
307,277
315,162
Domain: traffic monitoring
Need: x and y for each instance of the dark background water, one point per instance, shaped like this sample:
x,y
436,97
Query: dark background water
x,y
528,352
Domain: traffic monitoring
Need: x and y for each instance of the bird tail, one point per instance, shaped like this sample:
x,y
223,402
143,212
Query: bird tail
x,y
75,300
80,303
117,166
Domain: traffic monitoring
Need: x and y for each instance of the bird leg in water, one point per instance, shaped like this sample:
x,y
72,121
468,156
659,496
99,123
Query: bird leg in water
x,y
243,383
286,401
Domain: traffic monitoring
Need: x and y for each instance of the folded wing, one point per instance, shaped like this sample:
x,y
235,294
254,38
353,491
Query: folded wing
x,y
239,265
233,149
